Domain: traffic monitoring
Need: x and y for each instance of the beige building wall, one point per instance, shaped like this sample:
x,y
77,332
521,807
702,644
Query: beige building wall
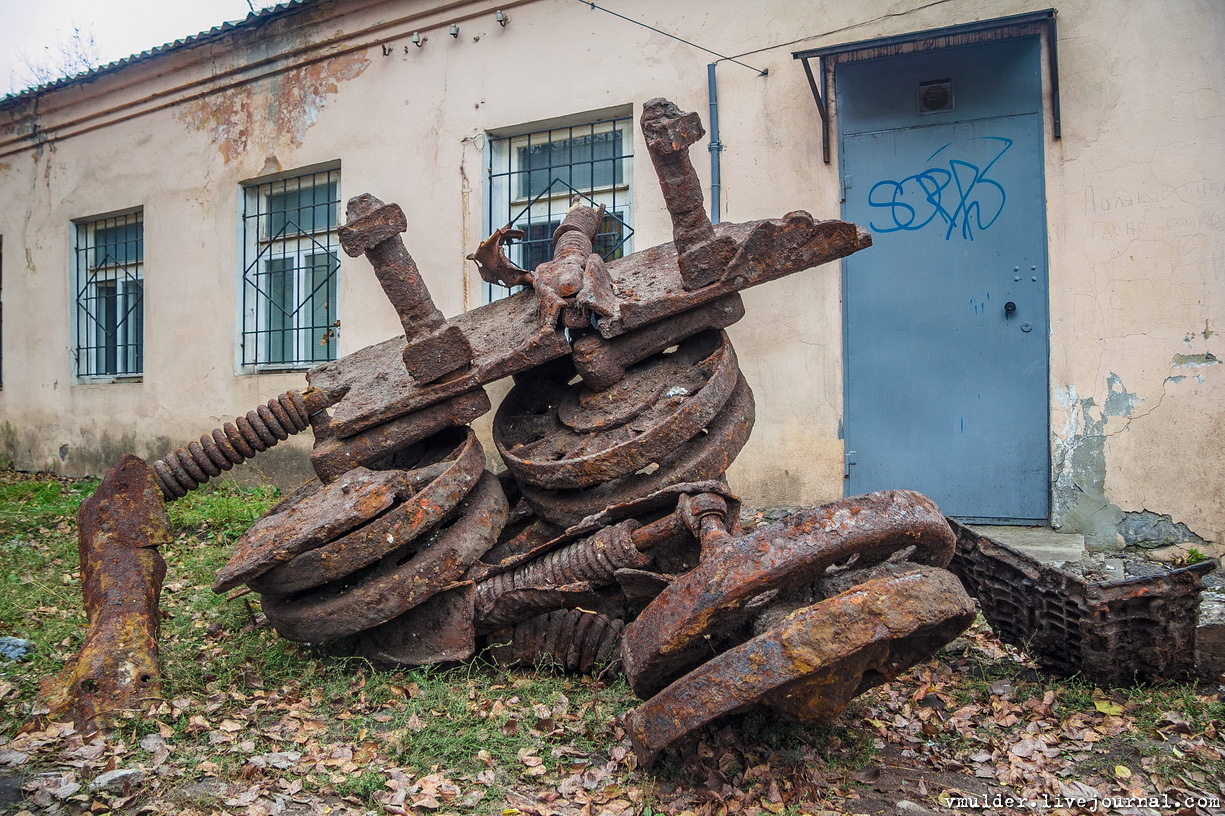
x,y
1135,190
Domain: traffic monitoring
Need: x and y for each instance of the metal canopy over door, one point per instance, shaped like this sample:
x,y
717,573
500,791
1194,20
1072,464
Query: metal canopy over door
x,y
945,317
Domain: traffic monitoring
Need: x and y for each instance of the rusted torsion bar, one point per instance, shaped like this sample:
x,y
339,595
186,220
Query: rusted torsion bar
x,y
119,529
702,257
668,638
232,444
602,363
434,348
812,664
592,561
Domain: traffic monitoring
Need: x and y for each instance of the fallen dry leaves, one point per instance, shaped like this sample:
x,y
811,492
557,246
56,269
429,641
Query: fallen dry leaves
x,y
944,735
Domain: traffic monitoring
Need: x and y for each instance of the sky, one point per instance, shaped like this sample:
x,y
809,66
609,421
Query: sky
x,y
121,28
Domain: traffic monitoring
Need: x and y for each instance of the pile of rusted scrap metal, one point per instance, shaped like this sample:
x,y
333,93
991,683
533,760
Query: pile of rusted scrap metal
x,y
612,537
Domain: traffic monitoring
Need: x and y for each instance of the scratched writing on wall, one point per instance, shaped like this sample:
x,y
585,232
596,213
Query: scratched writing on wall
x,y
954,192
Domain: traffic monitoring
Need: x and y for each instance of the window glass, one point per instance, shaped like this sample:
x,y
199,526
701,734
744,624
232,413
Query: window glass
x,y
109,282
291,270
535,177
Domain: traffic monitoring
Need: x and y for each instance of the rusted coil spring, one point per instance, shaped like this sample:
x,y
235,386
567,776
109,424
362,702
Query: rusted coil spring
x,y
191,466
571,639
595,560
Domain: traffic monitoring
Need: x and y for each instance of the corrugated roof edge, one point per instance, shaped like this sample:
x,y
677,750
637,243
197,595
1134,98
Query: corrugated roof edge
x,y
251,20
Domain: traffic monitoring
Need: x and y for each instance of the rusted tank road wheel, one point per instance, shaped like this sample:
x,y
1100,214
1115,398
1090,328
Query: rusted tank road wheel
x,y
558,436
670,636
705,456
458,471
810,665
398,582
334,518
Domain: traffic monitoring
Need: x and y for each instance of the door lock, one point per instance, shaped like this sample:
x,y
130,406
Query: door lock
x,y
1010,308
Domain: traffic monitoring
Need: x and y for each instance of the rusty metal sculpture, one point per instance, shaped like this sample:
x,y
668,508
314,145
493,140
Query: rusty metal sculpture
x,y
613,536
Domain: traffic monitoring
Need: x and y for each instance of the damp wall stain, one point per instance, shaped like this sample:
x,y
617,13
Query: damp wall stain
x,y
1080,503
279,108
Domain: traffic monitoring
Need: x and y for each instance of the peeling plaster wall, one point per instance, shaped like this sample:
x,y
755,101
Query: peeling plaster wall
x,y
1135,188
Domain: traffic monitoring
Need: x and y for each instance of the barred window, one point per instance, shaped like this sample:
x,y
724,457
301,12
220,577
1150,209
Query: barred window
x,y
533,178
291,266
109,255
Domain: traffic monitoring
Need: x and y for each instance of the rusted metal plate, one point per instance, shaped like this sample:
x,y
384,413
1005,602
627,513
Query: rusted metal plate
x,y
119,528
370,388
668,638
812,664
354,499
649,286
440,486
601,362
399,581
332,457
705,456
437,631
566,437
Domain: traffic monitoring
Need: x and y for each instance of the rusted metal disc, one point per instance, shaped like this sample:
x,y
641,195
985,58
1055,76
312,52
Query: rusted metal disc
x,y
399,581
437,631
706,455
314,519
810,665
669,637
455,470
557,436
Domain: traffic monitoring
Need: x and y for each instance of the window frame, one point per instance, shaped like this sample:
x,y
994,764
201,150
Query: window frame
x,y
108,329
506,202
290,341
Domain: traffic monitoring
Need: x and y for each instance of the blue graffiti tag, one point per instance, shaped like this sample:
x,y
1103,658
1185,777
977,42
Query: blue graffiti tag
x,y
915,201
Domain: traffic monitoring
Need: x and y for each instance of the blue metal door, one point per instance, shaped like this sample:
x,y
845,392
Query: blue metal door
x,y
945,317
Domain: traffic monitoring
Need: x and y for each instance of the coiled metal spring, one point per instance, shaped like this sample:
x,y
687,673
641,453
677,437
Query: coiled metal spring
x,y
594,560
569,639
194,464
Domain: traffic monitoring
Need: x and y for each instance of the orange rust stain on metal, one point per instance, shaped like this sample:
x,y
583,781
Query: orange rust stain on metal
x,y
272,110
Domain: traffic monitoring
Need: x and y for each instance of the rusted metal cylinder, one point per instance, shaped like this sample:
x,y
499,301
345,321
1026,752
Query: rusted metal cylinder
x,y
195,463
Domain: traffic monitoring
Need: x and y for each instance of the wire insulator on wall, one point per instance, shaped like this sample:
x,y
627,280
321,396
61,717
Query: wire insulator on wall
x,y
234,443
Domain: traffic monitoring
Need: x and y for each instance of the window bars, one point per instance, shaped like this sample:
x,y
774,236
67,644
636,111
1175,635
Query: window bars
x,y
291,266
534,177
109,258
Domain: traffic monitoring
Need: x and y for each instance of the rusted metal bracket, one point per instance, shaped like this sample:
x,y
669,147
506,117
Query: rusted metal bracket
x,y
119,529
